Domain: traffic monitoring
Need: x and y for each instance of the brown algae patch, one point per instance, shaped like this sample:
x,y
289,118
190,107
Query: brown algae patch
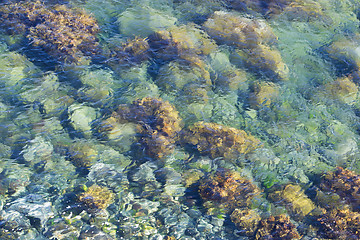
x,y
217,140
226,189
66,34
157,123
97,197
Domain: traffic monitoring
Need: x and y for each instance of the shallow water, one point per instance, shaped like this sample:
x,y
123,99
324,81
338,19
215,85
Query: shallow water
x,y
130,135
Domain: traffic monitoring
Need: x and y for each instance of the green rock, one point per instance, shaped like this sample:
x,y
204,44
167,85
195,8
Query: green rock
x,y
81,118
143,21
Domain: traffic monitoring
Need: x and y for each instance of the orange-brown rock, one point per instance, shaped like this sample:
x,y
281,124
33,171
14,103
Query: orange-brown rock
x,y
247,220
155,113
295,200
132,52
339,224
263,94
227,190
67,35
345,183
97,197
217,140
242,32
278,227
158,124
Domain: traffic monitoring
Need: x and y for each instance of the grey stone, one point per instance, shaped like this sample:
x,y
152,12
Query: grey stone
x,y
33,205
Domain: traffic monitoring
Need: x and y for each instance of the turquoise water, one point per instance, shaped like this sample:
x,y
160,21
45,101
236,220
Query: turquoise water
x,y
118,118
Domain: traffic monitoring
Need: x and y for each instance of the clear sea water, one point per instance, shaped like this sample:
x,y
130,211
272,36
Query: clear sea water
x,y
300,99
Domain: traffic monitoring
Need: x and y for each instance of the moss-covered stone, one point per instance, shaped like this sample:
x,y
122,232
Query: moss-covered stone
x,y
156,121
82,154
246,220
263,61
217,140
242,32
339,224
278,227
295,200
345,183
263,94
66,34
133,51
97,197
343,89
227,190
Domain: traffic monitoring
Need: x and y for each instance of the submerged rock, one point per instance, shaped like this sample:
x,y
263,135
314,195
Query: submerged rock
x,y
97,197
242,32
132,52
50,95
33,206
230,79
181,41
82,154
175,75
98,86
262,60
191,176
278,227
254,40
14,67
13,225
299,10
158,124
144,20
247,220
217,140
339,224
60,228
66,34
38,150
343,89
295,200
93,233
344,53
119,134
13,182
307,10
81,118
226,189
108,175
345,183
263,94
